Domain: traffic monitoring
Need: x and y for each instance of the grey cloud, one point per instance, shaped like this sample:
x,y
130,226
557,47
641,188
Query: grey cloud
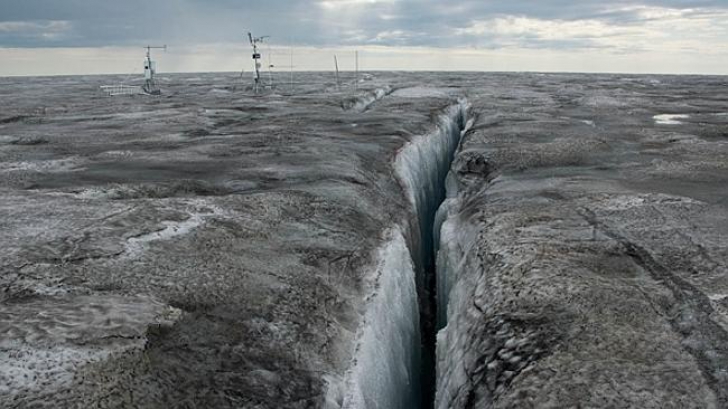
x,y
417,22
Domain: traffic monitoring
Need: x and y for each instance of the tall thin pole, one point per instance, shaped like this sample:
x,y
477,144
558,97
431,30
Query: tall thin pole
x,y
336,64
291,69
356,55
270,69
256,59
150,85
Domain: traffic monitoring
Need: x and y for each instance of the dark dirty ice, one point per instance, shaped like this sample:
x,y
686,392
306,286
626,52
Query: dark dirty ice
x,y
213,249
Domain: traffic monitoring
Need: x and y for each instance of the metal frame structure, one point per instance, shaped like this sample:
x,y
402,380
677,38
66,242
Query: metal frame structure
x,y
121,89
150,86
150,68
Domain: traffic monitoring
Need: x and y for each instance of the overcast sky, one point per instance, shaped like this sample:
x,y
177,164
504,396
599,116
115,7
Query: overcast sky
x,y
89,36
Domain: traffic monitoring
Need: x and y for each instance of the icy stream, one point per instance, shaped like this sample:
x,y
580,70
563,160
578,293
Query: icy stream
x,y
394,365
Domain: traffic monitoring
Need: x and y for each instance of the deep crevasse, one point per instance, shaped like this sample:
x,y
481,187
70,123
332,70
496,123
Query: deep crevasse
x,y
422,166
387,370
456,241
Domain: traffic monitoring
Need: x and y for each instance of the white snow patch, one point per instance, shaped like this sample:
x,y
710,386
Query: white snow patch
x,y
363,102
669,119
625,202
89,194
25,369
422,92
50,166
117,154
136,245
45,343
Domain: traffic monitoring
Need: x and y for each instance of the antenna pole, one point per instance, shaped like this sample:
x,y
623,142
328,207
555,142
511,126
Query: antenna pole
x,y
270,70
235,86
336,64
256,62
291,69
256,59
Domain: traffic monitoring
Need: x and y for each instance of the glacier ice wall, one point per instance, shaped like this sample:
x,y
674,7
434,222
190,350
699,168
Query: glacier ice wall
x,y
453,258
388,352
454,241
391,353
422,166
450,254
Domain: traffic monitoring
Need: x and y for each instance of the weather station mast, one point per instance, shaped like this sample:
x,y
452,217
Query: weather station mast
x,y
150,68
254,41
